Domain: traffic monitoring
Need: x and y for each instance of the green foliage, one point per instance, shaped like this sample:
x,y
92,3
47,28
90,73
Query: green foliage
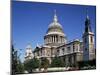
x,y
31,64
87,63
57,62
44,63
36,63
17,66
20,68
14,60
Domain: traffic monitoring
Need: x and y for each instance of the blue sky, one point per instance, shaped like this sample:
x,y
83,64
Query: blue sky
x,y
30,21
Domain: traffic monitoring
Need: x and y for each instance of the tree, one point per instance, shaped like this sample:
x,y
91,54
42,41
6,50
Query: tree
x,y
57,62
44,64
31,64
14,60
20,67
17,66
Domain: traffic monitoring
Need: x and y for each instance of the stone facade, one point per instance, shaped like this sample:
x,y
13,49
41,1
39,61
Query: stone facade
x,y
29,53
55,44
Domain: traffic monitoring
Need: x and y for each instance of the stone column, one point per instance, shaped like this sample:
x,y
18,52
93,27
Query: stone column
x,y
56,38
63,39
53,39
60,39
46,40
50,39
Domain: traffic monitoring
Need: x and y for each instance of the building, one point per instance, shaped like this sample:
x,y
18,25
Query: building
x,y
56,44
88,41
29,53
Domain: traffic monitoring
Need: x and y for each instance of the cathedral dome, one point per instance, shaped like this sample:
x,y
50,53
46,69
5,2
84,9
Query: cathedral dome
x,y
55,24
55,35
55,27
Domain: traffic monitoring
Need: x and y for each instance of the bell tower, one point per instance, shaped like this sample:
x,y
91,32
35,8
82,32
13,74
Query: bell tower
x,y
29,53
88,41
